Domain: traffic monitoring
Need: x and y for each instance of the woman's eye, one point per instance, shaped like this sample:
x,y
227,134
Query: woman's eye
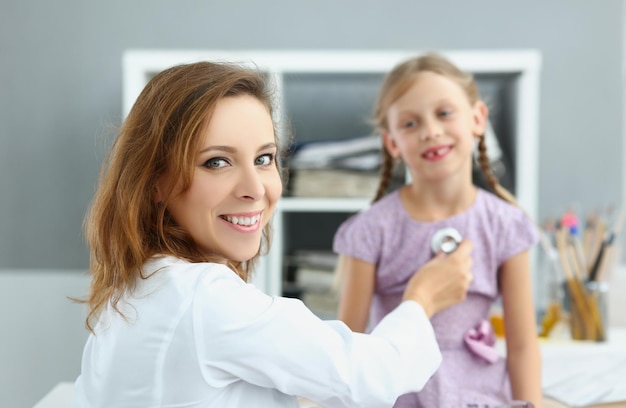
x,y
265,159
216,163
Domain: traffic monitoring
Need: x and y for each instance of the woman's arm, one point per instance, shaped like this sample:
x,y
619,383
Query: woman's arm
x,y
272,342
523,354
358,281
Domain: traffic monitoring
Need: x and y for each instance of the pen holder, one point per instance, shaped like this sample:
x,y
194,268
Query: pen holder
x,y
588,306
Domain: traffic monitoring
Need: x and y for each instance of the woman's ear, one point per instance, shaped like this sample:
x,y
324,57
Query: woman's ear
x,y
480,113
158,191
158,197
390,144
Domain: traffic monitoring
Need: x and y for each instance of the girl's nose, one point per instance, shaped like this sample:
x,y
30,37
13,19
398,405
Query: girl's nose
x,y
250,185
431,129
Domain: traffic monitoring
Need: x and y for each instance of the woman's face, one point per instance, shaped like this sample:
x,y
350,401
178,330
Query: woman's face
x,y
235,184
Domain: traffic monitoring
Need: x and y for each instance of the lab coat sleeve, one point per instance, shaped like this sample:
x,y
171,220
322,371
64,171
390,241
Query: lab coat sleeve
x,y
274,342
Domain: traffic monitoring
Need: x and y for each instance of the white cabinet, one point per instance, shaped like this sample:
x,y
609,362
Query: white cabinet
x,y
309,82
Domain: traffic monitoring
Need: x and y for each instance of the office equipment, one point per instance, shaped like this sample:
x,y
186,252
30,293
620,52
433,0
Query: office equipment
x,y
585,318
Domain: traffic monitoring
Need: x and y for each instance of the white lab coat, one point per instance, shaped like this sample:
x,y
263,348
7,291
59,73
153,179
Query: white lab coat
x,y
196,335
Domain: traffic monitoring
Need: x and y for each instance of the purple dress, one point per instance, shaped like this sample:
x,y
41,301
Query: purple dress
x,y
386,236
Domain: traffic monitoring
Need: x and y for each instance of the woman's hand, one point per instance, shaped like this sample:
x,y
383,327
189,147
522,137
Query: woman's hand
x,y
443,281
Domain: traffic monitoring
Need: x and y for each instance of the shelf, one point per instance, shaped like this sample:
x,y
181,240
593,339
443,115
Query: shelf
x,y
315,204
331,92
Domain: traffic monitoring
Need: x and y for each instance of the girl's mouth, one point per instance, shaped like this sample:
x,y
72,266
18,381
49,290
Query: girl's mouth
x,y
436,153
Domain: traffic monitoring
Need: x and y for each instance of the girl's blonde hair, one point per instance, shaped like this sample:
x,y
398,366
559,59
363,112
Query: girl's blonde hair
x,y
159,140
398,81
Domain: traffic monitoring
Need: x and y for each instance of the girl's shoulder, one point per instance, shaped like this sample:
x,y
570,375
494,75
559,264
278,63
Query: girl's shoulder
x,y
380,216
384,212
497,207
512,226
389,204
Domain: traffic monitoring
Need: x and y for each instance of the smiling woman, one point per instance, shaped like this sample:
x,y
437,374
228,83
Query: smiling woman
x,y
235,184
182,211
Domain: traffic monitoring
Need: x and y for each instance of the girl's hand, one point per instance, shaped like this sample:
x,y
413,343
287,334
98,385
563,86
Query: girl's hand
x,y
443,281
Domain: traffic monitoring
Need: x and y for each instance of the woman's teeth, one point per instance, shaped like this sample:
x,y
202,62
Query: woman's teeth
x,y
246,221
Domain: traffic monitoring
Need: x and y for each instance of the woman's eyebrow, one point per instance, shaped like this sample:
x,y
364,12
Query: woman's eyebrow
x,y
268,146
230,149
227,149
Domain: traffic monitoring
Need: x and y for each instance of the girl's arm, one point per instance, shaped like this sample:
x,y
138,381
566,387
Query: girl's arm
x,y
522,345
358,280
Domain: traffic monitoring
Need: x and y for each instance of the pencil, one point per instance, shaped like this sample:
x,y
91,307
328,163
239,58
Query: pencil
x,y
578,300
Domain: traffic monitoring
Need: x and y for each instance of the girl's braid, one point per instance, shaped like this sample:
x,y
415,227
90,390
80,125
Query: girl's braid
x,y
386,173
485,166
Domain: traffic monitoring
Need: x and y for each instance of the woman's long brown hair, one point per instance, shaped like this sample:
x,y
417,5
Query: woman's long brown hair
x,y
160,139
397,82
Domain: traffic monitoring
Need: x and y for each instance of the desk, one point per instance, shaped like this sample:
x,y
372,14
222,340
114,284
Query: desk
x,y
59,397
575,374
585,373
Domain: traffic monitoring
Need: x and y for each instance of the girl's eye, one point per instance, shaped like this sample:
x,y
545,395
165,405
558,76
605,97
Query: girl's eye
x,y
409,124
265,159
445,113
216,163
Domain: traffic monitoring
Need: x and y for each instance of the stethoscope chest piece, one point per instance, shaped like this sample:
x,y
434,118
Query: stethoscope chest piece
x,y
445,240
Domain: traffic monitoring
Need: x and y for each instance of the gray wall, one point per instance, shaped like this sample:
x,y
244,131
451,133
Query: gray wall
x,y
60,87
60,98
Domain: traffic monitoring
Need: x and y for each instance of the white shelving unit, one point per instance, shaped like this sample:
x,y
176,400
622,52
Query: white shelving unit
x,y
523,65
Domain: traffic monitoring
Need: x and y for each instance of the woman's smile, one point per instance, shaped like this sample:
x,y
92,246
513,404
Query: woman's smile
x,y
243,222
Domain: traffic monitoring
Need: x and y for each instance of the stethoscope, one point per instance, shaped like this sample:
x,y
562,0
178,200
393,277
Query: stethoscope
x,y
445,240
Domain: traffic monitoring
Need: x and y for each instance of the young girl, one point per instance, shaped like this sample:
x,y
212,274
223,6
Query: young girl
x,y
430,116
180,215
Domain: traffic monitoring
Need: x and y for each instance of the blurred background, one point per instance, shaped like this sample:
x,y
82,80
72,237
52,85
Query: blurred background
x,y
61,102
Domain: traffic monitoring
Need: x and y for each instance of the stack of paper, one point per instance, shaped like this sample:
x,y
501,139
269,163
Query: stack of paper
x,y
315,276
359,153
334,183
336,168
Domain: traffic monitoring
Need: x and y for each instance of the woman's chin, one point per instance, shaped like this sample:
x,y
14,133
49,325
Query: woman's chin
x,y
243,254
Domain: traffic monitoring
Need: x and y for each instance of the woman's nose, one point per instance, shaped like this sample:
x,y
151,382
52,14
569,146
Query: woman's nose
x,y
250,184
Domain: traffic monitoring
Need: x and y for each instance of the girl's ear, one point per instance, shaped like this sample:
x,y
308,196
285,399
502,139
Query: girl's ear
x,y
390,144
479,118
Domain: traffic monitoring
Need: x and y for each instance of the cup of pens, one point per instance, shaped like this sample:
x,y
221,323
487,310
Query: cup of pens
x,y
584,259
588,316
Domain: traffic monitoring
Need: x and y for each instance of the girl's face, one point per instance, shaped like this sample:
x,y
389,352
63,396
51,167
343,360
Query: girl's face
x,y
433,126
235,184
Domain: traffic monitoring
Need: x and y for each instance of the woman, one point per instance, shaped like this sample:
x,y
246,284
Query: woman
x,y
181,214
